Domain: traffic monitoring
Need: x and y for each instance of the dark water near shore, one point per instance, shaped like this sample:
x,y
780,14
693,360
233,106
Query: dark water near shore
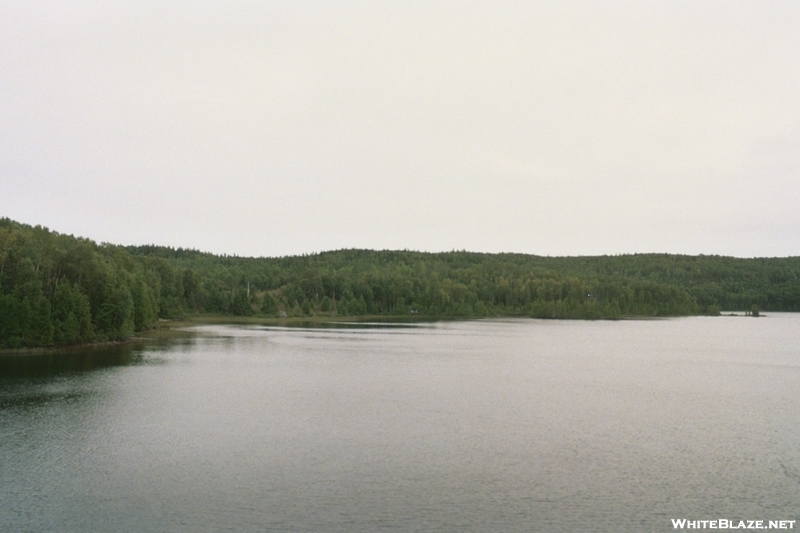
x,y
522,425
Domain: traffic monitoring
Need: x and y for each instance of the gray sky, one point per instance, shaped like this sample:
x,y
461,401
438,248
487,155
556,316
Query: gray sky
x,y
275,128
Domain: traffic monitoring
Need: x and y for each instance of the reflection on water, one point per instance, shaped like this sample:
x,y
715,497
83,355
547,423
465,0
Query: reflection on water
x,y
388,322
49,364
497,425
45,363
38,397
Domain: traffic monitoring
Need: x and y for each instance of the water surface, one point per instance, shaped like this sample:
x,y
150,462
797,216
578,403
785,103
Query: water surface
x,y
496,425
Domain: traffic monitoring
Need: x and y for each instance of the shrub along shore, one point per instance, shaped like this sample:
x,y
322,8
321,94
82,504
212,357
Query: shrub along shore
x,y
60,290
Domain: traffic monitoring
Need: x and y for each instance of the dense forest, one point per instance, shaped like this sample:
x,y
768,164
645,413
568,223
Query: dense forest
x,y
59,290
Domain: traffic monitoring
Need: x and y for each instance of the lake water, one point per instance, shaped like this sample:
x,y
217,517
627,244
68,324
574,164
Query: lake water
x,y
495,425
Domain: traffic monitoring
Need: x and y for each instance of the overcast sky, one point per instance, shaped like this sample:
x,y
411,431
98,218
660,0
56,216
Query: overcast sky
x,y
273,128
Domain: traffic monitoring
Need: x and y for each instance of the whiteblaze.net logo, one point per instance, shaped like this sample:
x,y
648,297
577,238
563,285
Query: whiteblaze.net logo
x,y
683,523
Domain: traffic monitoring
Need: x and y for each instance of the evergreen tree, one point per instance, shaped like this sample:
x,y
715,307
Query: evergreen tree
x,y
269,306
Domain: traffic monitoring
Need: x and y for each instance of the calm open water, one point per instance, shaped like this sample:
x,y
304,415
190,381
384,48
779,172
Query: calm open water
x,y
496,425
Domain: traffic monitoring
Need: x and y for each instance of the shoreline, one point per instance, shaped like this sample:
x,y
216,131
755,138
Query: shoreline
x,y
170,327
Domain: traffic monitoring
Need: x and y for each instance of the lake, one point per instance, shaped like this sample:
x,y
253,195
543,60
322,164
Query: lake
x,y
488,425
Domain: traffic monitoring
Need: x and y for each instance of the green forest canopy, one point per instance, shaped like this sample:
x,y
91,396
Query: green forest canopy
x,y
58,289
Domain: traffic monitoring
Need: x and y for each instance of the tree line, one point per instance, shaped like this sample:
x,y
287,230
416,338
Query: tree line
x,y
59,290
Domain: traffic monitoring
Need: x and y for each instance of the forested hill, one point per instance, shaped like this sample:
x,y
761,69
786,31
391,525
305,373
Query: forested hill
x,y
57,289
